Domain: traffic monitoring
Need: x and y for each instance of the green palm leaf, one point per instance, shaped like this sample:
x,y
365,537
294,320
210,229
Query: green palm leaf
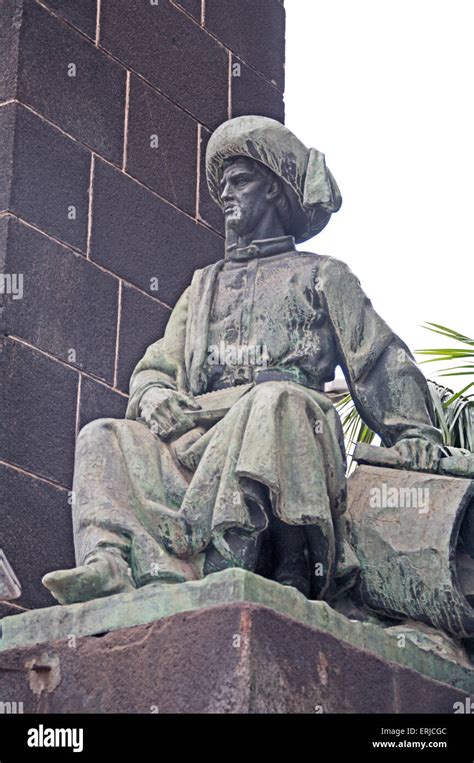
x,y
441,354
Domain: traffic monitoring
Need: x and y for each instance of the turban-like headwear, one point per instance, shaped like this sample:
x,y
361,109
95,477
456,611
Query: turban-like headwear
x,y
310,188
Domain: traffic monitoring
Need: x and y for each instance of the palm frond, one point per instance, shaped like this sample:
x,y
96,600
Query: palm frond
x,y
450,354
454,416
436,328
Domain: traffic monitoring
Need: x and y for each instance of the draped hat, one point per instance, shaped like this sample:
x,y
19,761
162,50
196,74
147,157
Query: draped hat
x,y
310,189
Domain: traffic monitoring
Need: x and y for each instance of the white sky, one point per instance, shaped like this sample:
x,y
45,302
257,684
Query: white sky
x,y
386,90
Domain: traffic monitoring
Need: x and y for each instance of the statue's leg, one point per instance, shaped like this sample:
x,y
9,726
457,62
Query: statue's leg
x,y
123,473
290,561
281,437
105,572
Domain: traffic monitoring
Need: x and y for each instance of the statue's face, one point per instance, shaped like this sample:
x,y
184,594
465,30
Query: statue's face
x,y
246,195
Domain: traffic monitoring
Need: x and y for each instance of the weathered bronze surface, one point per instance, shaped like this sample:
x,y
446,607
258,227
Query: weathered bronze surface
x,y
231,454
408,529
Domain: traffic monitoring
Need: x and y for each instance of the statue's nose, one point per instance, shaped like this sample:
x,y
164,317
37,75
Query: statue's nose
x,y
226,194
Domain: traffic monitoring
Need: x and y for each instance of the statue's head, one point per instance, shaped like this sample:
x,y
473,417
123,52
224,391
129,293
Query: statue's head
x,y
255,163
249,191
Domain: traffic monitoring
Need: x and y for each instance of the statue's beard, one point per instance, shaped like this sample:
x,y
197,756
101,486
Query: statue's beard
x,y
236,219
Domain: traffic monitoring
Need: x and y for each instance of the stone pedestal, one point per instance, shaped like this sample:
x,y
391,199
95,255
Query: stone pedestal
x,y
233,642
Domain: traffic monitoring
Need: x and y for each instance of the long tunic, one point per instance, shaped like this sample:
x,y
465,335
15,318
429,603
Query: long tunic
x,y
280,448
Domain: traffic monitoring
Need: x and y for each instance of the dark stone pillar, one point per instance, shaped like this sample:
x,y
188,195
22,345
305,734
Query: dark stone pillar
x,y
105,110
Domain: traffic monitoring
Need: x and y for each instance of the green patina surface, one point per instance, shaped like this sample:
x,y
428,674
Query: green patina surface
x,y
176,492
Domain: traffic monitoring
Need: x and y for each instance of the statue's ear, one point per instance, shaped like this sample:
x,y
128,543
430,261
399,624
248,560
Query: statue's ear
x,y
273,188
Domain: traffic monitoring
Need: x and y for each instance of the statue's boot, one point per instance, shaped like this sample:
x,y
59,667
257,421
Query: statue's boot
x,y
105,573
293,573
347,569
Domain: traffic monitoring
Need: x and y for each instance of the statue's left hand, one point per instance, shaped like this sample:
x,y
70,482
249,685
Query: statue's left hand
x,y
163,411
422,453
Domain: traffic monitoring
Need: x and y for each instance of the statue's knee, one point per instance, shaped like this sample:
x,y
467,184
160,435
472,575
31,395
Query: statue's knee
x,y
98,427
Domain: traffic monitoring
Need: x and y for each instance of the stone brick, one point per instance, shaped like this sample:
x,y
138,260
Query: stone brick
x,y
91,105
68,305
49,175
162,146
4,296
209,211
38,413
36,532
9,608
7,134
170,50
251,94
140,237
99,402
143,322
81,13
10,25
255,30
191,6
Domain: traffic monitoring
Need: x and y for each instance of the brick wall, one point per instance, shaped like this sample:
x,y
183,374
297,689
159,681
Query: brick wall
x,y
106,107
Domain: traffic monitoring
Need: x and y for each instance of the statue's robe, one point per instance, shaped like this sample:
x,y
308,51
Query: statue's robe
x,y
279,450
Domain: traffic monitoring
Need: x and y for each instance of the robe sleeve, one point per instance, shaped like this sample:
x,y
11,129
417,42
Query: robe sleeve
x,y
163,364
389,390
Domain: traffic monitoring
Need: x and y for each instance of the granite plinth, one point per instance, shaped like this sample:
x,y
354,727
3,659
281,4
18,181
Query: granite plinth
x,y
234,586
232,658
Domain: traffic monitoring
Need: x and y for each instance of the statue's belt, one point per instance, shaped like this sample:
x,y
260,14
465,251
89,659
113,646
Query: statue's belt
x,y
224,394
246,375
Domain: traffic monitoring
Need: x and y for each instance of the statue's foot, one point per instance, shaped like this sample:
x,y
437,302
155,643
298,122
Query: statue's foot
x,y
347,569
104,574
293,573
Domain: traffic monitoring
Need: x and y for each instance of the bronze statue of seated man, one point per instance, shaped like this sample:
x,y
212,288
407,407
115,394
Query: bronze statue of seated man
x,y
231,453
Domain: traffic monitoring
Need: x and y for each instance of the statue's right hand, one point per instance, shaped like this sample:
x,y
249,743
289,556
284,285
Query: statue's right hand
x,y
162,410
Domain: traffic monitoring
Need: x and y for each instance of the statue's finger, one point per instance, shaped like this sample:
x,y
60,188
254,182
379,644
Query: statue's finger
x,y
162,420
180,419
158,430
189,402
